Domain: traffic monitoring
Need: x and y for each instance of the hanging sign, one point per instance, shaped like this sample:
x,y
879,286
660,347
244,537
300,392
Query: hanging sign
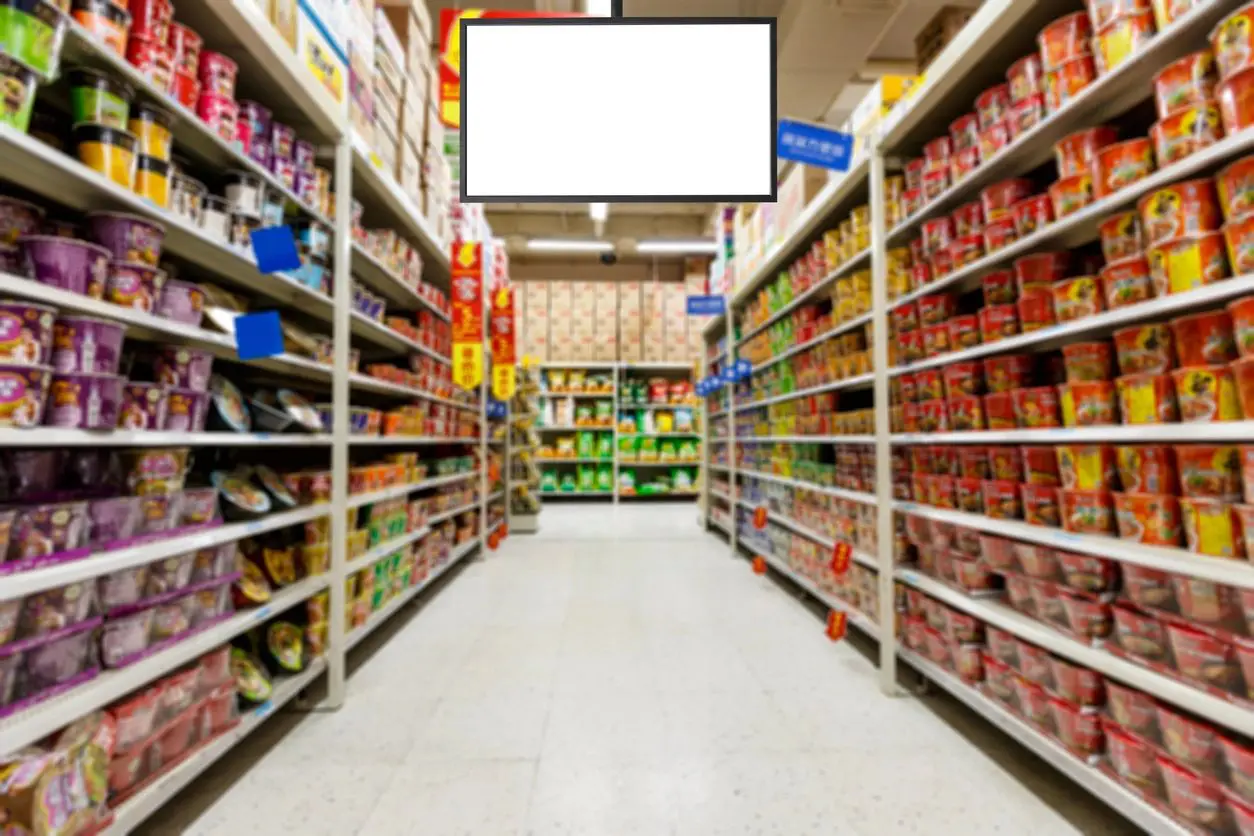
x,y
706,305
811,144
837,624
501,329
842,554
467,291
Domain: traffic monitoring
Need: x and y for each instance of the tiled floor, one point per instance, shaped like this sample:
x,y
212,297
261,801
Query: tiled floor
x,y
621,674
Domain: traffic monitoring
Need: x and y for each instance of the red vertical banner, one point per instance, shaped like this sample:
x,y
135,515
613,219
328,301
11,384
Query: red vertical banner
x,y
467,291
837,624
502,340
842,554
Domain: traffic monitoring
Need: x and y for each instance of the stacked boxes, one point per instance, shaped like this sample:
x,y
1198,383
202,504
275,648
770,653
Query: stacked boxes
x,y
561,310
675,323
630,322
583,316
388,91
653,323
361,66
605,322
534,332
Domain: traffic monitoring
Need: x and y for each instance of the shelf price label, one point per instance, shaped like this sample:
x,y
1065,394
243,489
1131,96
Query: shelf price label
x,y
842,555
837,624
467,286
502,339
759,565
759,517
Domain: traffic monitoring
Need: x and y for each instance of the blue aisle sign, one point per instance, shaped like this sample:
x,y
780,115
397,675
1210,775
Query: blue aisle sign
x,y
275,249
706,305
811,144
258,335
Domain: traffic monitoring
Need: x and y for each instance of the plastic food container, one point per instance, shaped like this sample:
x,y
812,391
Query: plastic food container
x,y
219,113
1007,372
1147,399
1139,635
182,302
1087,362
1122,164
998,233
217,73
18,218
1062,85
1077,298
125,638
1147,468
1204,339
1036,407
1121,237
1188,81
1040,505
153,59
26,333
135,285
144,406
1233,41
123,588
1145,349
84,344
100,98
1023,79
1121,38
187,368
185,88
108,151
152,181
152,127
23,394
1207,393
998,198
68,264
1239,238
129,238
1075,153
1088,404
1127,282
1189,129
1181,209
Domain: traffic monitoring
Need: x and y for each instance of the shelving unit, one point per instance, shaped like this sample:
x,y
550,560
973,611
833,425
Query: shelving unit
x,y
833,471
525,503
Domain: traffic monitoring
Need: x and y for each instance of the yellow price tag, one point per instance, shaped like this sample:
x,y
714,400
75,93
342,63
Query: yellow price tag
x,y
468,365
504,382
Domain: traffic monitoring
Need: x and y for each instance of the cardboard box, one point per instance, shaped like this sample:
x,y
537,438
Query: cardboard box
x,y
631,352
412,23
325,60
285,15
409,170
800,186
389,55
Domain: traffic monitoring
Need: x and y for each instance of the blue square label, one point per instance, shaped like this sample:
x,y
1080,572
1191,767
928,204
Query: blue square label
x,y
258,335
275,249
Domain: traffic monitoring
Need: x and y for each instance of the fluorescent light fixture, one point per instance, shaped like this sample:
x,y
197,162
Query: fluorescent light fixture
x,y
674,245
563,110
598,211
569,245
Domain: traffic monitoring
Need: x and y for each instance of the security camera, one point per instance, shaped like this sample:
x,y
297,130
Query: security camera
x,y
609,258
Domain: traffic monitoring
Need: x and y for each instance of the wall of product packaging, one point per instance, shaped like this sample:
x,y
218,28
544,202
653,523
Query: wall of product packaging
x,y
191,535
999,411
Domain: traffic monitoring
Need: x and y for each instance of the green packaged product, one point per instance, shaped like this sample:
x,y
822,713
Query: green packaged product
x,y
583,414
682,478
688,450
627,422
548,481
568,483
648,449
605,478
628,447
605,446
626,480
604,412
587,478
667,451
585,445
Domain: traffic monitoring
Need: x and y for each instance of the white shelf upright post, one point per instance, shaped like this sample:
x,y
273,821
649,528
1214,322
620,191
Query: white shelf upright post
x,y
615,369
883,469
733,483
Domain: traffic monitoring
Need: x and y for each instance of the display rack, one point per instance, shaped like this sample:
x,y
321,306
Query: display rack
x,y
522,442
838,479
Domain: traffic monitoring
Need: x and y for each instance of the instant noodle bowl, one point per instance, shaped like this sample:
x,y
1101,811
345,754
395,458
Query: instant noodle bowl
x,y
220,113
26,333
1239,238
999,287
135,285
937,233
1023,79
187,197
1142,349
964,162
1147,399
1184,131
109,151
186,410
964,131
184,367
999,412
1025,114
966,250
935,340
1077,298
1001,500
182,302
1121,237
1087,512
186,45
1188,81
995,138
1212,527
1062,85
86,344
1204,339
1086,467
933,416
999,233
929,385
185,88
968,218
143,407
84,401
77,266
1036,407
1032,213
1209,471
1075,153
998,322
1204,658
935,182
1036,310
1186,208
1088,361
966,413
152,127
109,23
1243,372
153,18
1088,404
998,198
1041,270
1064,39
1149,518
23,394
1040,505
1039,465
97,97
1090,574
153,59
1206,602
1120,165
1207,393
217,74
18,218
128,237
1233,41
152,181
1008,371
1121,38
935,309
964,331
1147,468
1235,185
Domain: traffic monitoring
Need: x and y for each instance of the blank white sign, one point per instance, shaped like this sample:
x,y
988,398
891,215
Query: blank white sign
x,y
607,109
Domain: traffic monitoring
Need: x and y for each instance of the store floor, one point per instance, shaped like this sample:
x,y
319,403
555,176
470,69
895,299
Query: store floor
x,y
620,674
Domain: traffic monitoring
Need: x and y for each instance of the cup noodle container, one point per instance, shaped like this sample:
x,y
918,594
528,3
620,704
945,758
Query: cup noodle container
x,y
26,332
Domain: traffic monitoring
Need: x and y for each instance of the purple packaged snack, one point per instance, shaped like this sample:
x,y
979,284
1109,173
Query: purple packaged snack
x,y
303,156
182,302
84,401
9,666
161,512
23,393
43,530
258,118
77,266
206,605
129,238
115,519
86,344
10,614
58,661
186,411
172,619
12,261
143,406
18,218
307,188
185,368
135,285
56,609
124,637
169,574
155,471
285,172
199,506
122,588
25,332
282,141
214,562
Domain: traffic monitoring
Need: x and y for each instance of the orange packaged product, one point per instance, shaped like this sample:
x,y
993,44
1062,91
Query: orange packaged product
x,y
1036,310
1064,39
966,378
1167,12
910,346
1001,500
1023,79
935,182
994,138
1041,270
1180,209
1233,41
1036,407
998,233
1204,339
1040,504
968,218
1149,518
1086,467
998,322
1147,468
1188,81
1075,153
1122,164
999,411
1026,113
1071,194
966,413
929,385
964,162
999,197
1209,471
990,106
1032,213
1235,96
1121,237
936,309
1183,263
964,331
1007,372
1103,12
1142,349
1239,240
1088,512
1235,185
1076,298
941,263
1121,38
1006,463
969,495
1212,527
1207,394
1147,399
935,340
1065,83
1243,372
973,463
966,250
938,234
933,416
1184,131
1088,404
1040,466
999,287
1085,362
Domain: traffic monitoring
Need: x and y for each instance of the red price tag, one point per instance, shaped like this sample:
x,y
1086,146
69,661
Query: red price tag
x,y
493,541
842,555
759,517
837,622
759,566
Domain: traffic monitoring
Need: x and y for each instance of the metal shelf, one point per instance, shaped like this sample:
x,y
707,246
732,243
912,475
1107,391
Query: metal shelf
x,y
808,294
841,493
398,491
836,331
384,550
862,381
1183,433
379,276
804,439
796,527
855,616
59,437
452,512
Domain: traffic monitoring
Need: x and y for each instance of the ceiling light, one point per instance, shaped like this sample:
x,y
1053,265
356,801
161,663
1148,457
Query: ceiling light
x,y
677,245
570,245
598,211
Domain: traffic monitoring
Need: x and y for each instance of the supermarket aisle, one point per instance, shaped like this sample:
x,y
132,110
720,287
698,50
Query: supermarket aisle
x,y
621,674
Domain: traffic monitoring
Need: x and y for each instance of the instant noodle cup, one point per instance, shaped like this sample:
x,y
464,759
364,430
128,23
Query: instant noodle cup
x,y
1147,399
935,182
1032,213
1149,518
1185,208
1040,466
1233,41
998,322
968,218
935,340
152,181
185,89
1001,500
969,495
1026,114
1206,394
109,151
109,23
964,331
1041,270
1077,298
1036,310
905,318
937,151
1040,505
99,97
937,233
1204,339
152,128
1121,236
1086,467
1121,38
1064,39
1085,362
1023,79
1036,407
1075,153
1188,81
999,288
999,412
1147,468
1189,129
964,132
911,346
995,138
1065,83
933,416
1239,240
217,73
929,385
1071,194
998,198
966,413
1209,471
935,309
153,59
1120,165
1103,12
1088,512
1235,185
999,233
966,250
991,106
1212,527
1142,349
1007,372
1088,404
1243,371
